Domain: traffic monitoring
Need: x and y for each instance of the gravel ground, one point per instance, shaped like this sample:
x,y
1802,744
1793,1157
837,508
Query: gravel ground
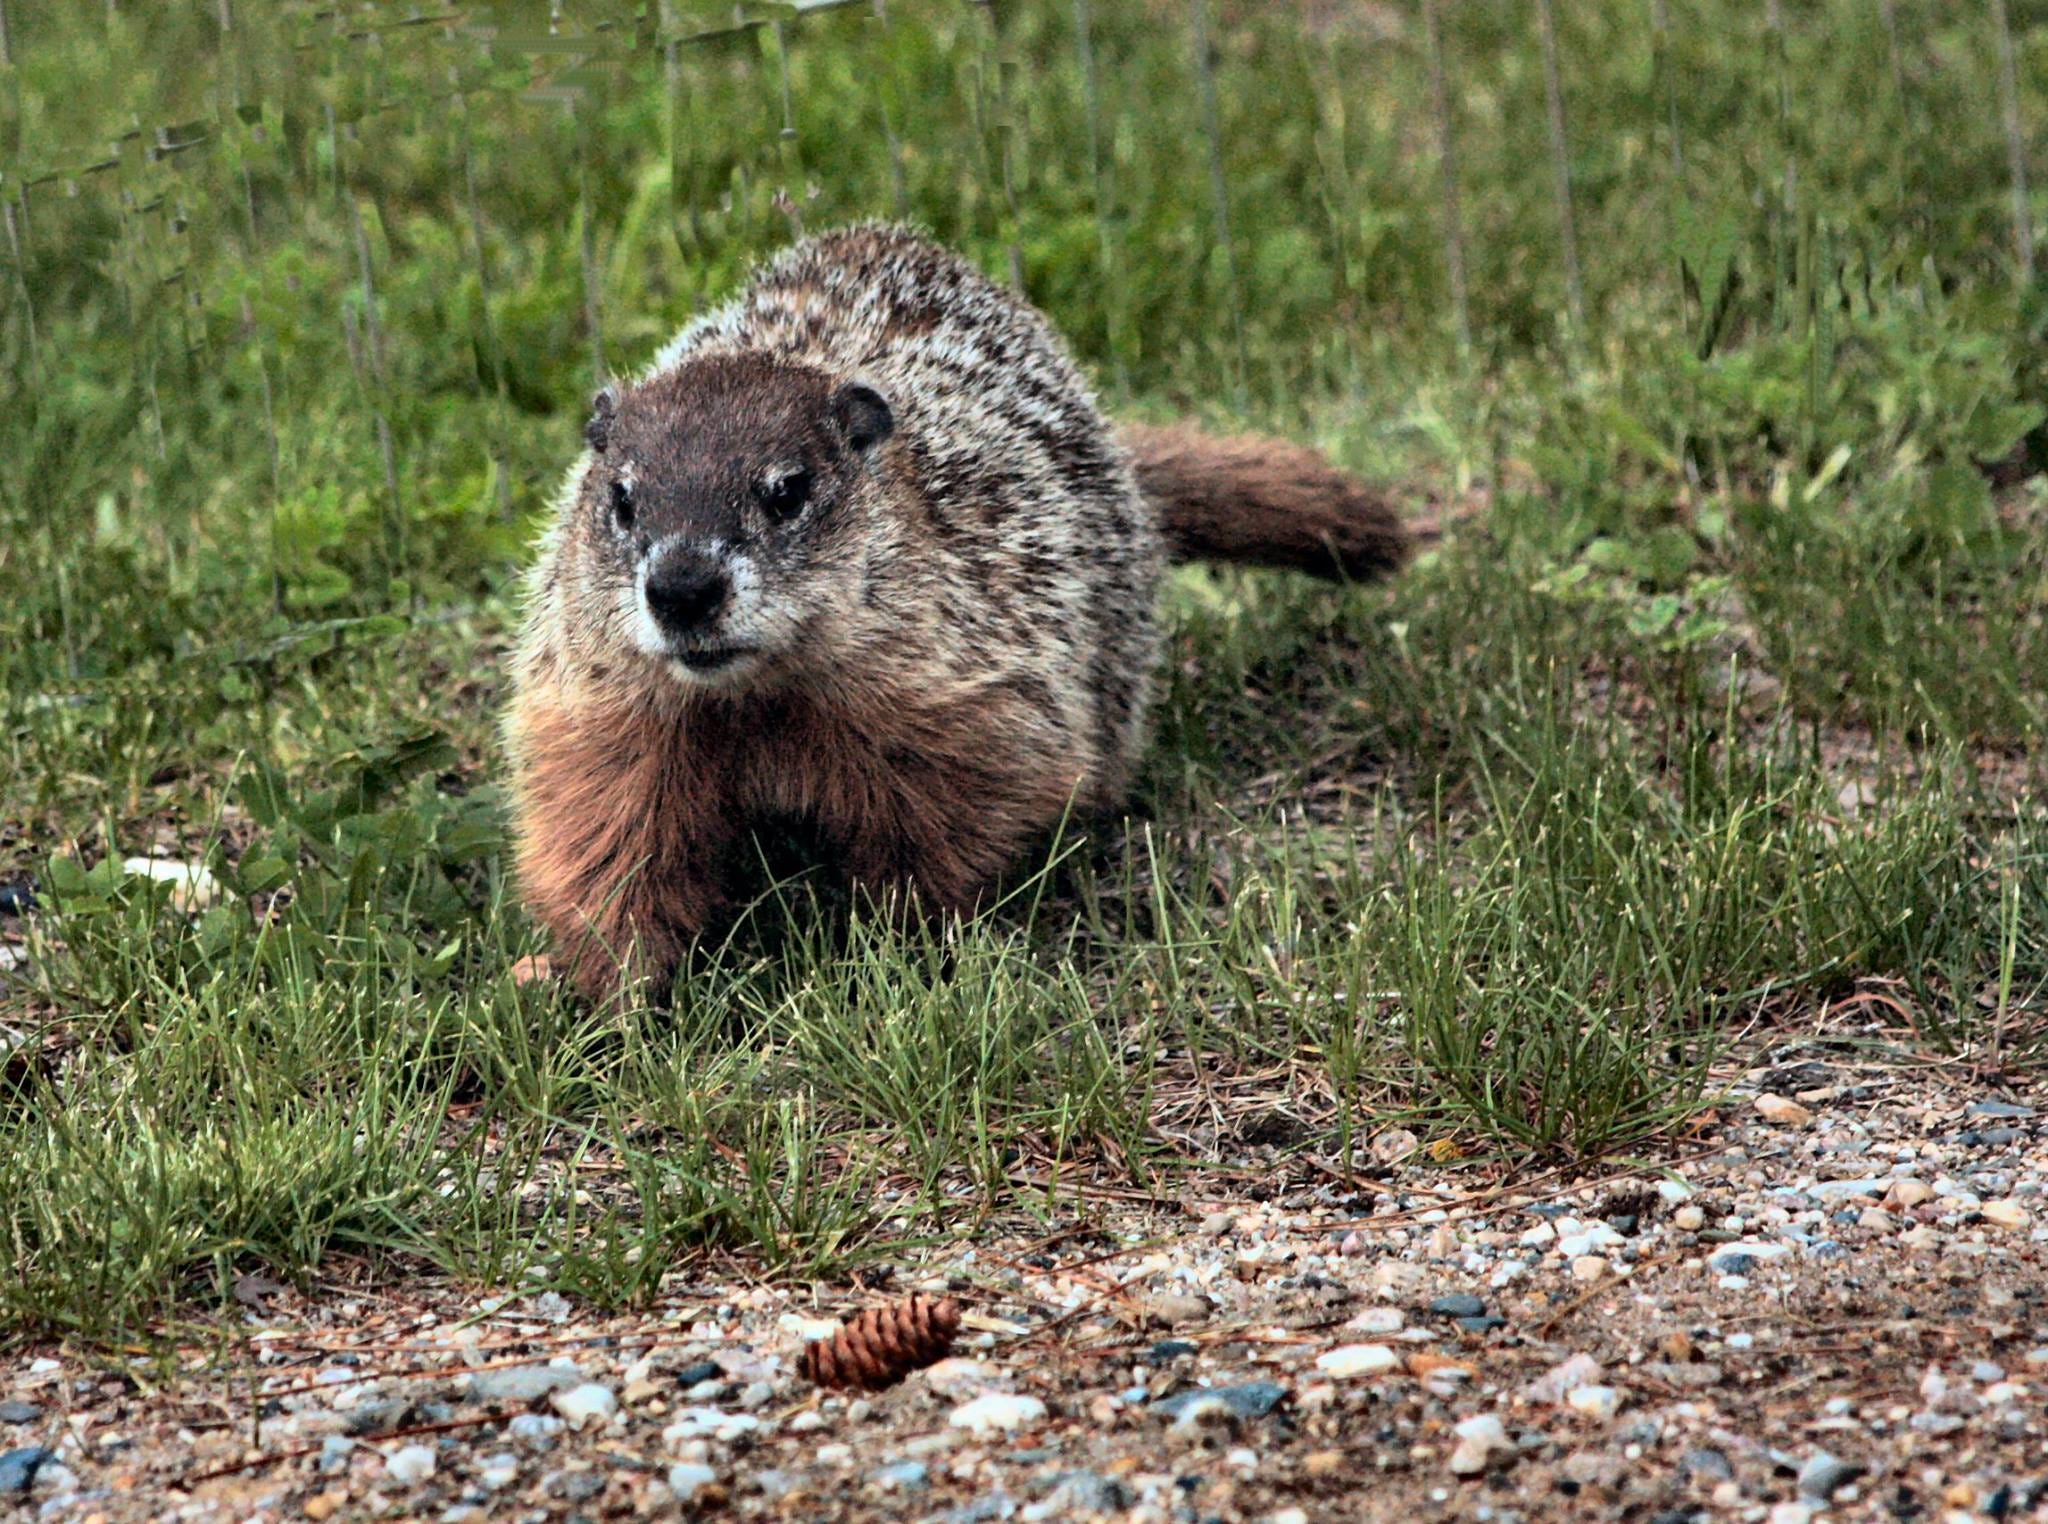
x,y
1830,1300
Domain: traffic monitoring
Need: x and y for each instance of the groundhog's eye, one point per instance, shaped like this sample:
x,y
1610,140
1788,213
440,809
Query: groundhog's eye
x,y
622,505
784,493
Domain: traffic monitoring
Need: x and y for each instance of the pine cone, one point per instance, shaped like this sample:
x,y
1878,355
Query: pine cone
x,y
881,1346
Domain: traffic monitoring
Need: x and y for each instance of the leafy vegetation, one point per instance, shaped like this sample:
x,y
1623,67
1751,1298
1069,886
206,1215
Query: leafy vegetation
x,y
1722,699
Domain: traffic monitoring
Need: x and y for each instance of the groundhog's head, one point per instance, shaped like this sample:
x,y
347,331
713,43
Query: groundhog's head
x,y
724,508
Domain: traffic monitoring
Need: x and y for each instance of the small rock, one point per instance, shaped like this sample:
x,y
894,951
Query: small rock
x,y
18,1468
1253,1399
1577,1245
905,1476
581,1406
1084,1493
2005,1110
1174,1309
1458,1305
708,1423
1908,1193
19,1412
334,1452
1482,1442
409,1464
1595,1402
687,1478
1822,1476
696,1375
1673,1191
1550,1387
2006,1214
1703,1462
1358,1360
496,1471
521,1383
1393,1146
1590,1267
16,899
1171,1349
1004,1411
1689,1218
537,1429
323,1505
1775,1108
1378,1320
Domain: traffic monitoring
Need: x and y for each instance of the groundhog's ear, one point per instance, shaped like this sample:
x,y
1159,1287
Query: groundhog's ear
x,y
863,415
603,408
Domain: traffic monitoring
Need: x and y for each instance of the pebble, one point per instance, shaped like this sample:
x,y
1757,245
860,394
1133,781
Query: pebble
x,y
581,1406
521,1383
687,1478
1689,1219
1551,1386
1590,1267
497,1471
1379,1320
1458,1305
324,1505
2006,1214
996,1411
19,1412
1823,1476
1171,1349
18,1468
1253,1399
334,1452
1175,1309
1596,1402
1482,1442
1083,1494
905,1476
1775,1108
1358,1360
695,1423
2006,1110
409,1464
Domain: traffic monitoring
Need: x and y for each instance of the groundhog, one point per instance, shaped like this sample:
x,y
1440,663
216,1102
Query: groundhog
x,y
859,552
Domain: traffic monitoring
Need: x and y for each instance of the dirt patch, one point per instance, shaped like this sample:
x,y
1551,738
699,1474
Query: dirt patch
x,y
1832,1295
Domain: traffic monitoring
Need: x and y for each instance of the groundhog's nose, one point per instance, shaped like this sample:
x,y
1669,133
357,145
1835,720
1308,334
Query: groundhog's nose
x,y
685,591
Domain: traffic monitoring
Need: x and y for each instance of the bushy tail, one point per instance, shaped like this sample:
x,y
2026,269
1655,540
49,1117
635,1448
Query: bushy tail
x,y
1264,502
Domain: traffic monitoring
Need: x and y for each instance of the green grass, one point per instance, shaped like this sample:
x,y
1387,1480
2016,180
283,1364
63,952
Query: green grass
x,y
1725,699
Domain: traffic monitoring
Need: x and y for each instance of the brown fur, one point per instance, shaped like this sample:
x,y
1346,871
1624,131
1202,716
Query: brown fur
x,y
1263,502
632,812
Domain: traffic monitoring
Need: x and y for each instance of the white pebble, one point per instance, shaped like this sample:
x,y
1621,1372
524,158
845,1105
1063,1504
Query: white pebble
x,y
584,1405
994,1411
409,1464
1599,1402
685,1480
1689,1219
1358,1360
1480,1440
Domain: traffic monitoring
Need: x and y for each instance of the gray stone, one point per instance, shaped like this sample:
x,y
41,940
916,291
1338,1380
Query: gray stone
x,y
995,1505
1735,1262
1703,1462
1458,1305
2006,1110
19,1412
521,1383
1087,1492
334,1452
1254,1399
1822,1476
906,1476
18,1468
572,1486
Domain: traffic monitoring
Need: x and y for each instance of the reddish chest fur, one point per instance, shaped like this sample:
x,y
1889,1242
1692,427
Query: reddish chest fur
x,y
630,811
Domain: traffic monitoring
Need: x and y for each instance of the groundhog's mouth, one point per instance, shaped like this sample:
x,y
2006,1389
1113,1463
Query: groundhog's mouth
x,y
712,658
